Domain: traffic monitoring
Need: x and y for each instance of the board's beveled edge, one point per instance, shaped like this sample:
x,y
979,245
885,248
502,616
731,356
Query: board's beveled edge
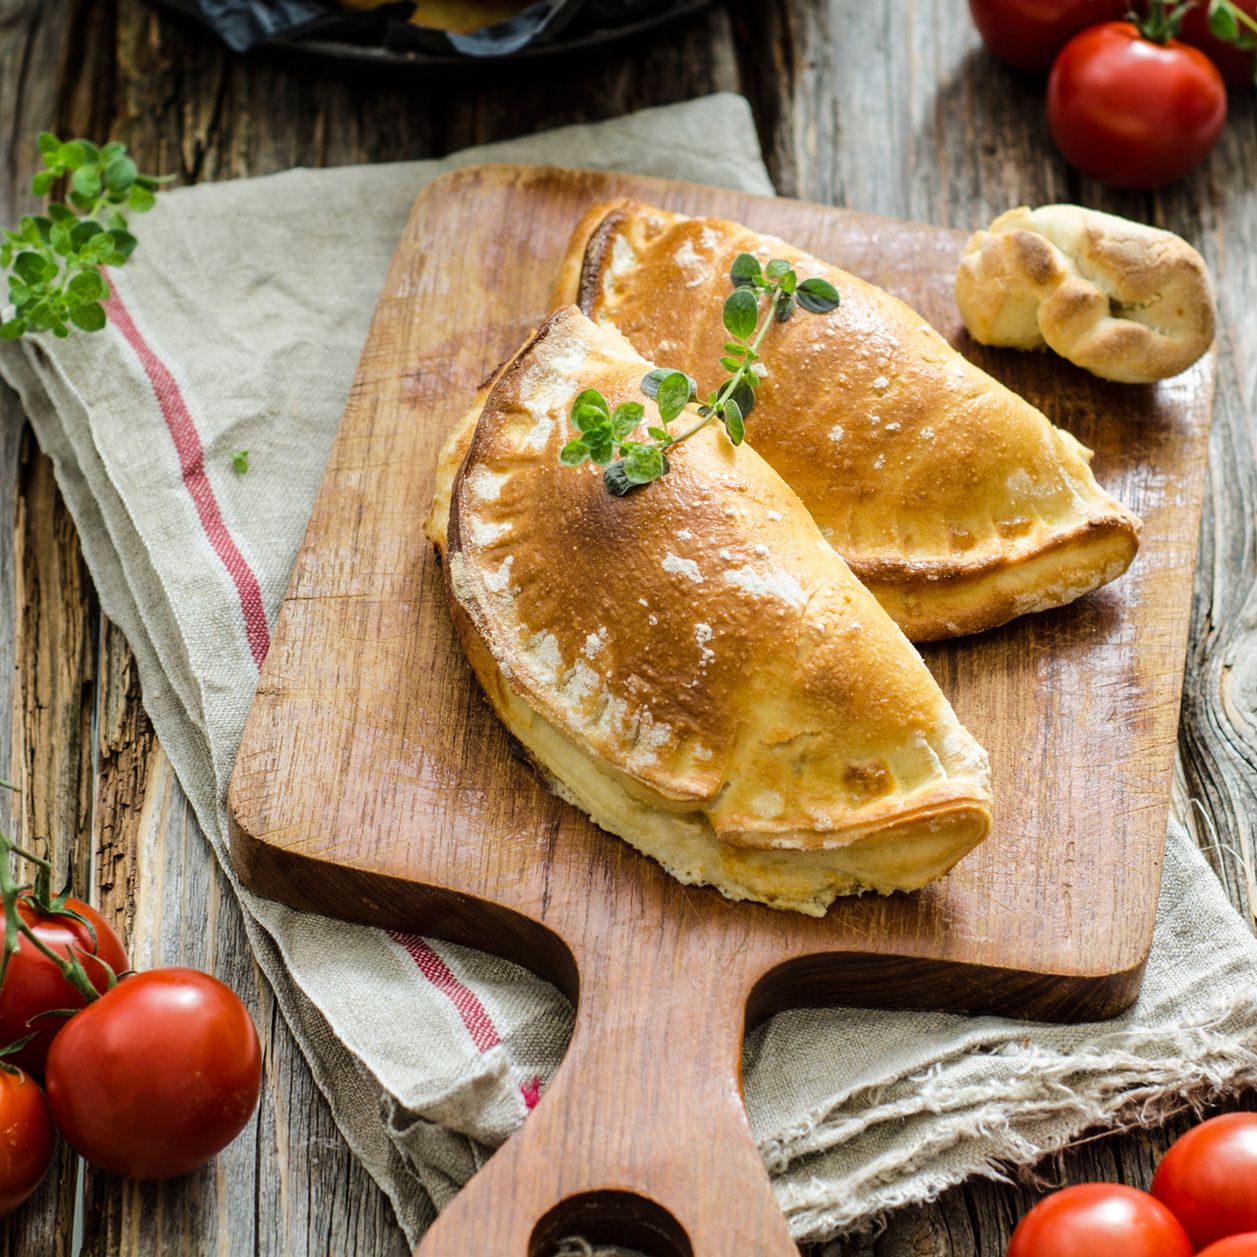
x,y
869,979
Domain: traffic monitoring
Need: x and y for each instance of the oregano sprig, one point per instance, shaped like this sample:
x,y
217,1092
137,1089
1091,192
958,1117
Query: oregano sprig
x,y
55,258
760,298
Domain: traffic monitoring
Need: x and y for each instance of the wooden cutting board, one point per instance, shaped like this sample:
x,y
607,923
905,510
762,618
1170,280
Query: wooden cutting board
x,y
375,783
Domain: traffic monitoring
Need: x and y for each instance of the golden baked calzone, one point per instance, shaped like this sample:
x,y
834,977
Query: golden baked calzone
x,y
691,663
955,501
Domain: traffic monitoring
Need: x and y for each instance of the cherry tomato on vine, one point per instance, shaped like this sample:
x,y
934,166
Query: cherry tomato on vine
x,y
1235,63
1132,112
1208,1179
157,1076
26,1138
1233,1246
33,984
1029,33
1099,1218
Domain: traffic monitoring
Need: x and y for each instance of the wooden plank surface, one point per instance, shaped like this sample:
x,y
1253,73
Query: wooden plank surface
x,y
887,107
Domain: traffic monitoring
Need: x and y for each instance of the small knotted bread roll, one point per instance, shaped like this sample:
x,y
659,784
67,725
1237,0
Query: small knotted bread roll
x,y
1126,302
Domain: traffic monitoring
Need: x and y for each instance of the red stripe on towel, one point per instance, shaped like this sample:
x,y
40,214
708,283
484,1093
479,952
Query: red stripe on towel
x,y
477,1020
191,453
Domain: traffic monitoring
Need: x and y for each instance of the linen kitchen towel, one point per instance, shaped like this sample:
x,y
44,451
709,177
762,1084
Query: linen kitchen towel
x,y
239,328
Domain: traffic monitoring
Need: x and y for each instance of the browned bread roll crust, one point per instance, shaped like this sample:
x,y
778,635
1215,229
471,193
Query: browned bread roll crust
x,y
1124,301
691,663
954,500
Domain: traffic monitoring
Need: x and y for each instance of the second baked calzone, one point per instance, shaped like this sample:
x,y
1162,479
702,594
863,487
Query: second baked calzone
x,y
956,502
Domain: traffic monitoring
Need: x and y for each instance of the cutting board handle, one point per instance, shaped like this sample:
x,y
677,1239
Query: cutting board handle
x,y
642,1140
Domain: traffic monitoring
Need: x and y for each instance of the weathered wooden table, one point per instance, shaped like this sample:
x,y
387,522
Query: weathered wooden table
x,y
888,106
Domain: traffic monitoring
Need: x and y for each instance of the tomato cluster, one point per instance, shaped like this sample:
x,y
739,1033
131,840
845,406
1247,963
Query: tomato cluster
x,y
1137,103
147,1074
1203,1200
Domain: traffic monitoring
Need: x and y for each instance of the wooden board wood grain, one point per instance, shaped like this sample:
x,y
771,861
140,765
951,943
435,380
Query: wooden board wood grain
x,y
374,782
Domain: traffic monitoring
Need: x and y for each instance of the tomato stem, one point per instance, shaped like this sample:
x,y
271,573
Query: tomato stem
x,y
15,927
1159,26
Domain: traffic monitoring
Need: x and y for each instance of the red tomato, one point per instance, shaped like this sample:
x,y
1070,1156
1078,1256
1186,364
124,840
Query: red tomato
x,y
1029,33
1131,112
1208,1179
157,1076
1099,1218
26,1138
1233,1246
33,984
1235,63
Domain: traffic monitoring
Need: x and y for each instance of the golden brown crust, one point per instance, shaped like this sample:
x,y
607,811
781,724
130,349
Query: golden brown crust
x,y
1125,301
956,501
693,654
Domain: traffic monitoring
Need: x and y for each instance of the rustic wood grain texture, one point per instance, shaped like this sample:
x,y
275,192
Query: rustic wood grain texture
x,y
834,86
371,783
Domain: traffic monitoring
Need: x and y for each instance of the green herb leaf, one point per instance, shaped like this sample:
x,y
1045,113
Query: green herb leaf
x,y
733,422
61,239
743,395
86,182
745,270
91,318
574,453
777,268
588,418
643,464
72,155
12,329
240,461
673,394
599,443
42,183
595,400
85,287
783,309
33,269
47,143
82,232
818,296
651,382
140,201
41,317
661,434
626,416
123,246
741,313
120,175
